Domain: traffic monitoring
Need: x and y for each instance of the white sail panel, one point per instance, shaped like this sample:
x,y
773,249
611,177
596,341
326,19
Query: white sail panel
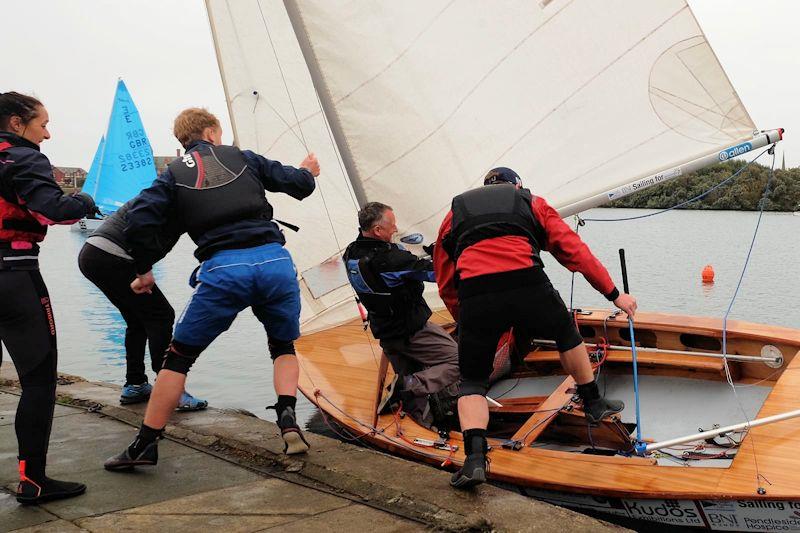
x,y
578,96
267,95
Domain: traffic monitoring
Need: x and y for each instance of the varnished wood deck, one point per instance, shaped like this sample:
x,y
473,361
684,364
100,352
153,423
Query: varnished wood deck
x,y
339,369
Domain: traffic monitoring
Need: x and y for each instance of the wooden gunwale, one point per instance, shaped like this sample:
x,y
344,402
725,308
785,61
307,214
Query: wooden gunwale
x,y
340,364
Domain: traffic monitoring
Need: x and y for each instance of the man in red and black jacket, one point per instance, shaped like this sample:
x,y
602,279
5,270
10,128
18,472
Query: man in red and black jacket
x,y
491,278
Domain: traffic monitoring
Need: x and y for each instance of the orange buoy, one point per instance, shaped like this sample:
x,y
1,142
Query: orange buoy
x,y
708,274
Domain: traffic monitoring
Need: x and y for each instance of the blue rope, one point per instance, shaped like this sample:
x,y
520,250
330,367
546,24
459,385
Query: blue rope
x,y
639,446
678,206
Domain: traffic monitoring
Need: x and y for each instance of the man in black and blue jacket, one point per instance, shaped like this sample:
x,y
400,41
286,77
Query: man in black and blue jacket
x,y
389,282
216,195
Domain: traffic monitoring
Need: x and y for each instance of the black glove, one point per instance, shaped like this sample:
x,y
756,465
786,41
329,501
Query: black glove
x,y
429,249
91,208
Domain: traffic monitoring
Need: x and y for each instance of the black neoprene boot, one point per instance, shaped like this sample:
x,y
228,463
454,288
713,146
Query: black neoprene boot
x,y
34,487
143,451
474,470
595,406
293,440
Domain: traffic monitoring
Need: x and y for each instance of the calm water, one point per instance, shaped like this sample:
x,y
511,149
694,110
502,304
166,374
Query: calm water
x,y
665,256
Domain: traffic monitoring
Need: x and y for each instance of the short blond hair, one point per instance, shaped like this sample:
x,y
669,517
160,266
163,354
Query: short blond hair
x,y
190,123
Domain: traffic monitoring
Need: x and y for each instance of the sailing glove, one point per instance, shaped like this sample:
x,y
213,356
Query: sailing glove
x,y
91,208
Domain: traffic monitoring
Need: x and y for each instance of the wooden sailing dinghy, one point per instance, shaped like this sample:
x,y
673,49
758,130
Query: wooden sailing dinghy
x,y
542,445
409,103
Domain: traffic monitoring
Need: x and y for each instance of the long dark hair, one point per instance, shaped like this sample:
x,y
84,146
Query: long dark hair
x,y
21,105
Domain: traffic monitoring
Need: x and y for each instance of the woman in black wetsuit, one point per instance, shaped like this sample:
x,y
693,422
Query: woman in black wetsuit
x,y
30,200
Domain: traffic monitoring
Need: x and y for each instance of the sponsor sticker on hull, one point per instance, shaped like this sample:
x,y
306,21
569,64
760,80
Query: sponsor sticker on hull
x,y
675,512
718,515
752,515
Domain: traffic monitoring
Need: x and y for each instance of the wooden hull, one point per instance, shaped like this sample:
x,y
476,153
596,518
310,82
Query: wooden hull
x,y
339,373
717,515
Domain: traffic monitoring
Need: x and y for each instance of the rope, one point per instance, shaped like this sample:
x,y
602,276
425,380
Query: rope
x,y
678,206
639,443
400,443
728,375
578,223
305,145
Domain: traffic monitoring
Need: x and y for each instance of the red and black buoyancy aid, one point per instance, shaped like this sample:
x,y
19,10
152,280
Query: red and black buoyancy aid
x,y
17,224
492,211
216,187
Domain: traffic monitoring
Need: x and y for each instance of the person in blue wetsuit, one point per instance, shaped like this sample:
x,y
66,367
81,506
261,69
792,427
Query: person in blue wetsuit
x,y
217,195
388,280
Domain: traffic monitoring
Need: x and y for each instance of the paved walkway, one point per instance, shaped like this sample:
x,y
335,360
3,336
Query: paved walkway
x,y
223,469
188,491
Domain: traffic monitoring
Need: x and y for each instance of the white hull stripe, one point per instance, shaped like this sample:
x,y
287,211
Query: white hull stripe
x,y
247,264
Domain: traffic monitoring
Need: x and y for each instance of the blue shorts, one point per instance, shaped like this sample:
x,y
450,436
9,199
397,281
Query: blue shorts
x,y
263,278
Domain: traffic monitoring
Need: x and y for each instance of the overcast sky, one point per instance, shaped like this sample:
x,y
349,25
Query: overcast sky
x,y
70,53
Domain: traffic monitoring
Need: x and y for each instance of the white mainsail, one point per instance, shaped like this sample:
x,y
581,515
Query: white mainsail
x,y
424,96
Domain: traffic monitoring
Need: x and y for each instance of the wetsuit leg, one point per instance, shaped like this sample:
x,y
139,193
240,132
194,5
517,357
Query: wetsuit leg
x,y
35,410
159,317
149,317
27,328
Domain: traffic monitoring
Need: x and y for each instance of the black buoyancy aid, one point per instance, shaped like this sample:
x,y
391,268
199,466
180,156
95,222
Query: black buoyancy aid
x,y
392,311
214,187
492,211
17,223
370,288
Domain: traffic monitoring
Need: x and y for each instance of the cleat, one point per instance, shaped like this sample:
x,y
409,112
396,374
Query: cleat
x,y
471,474
135,393
126,461
600,408
190,403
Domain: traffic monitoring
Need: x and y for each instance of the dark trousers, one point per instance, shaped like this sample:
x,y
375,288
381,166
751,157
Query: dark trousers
x,y
149,317
28,331
534,311
429,357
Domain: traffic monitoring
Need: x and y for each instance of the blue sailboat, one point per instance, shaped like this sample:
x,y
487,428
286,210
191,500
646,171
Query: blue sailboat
x,y
90,185
123,164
